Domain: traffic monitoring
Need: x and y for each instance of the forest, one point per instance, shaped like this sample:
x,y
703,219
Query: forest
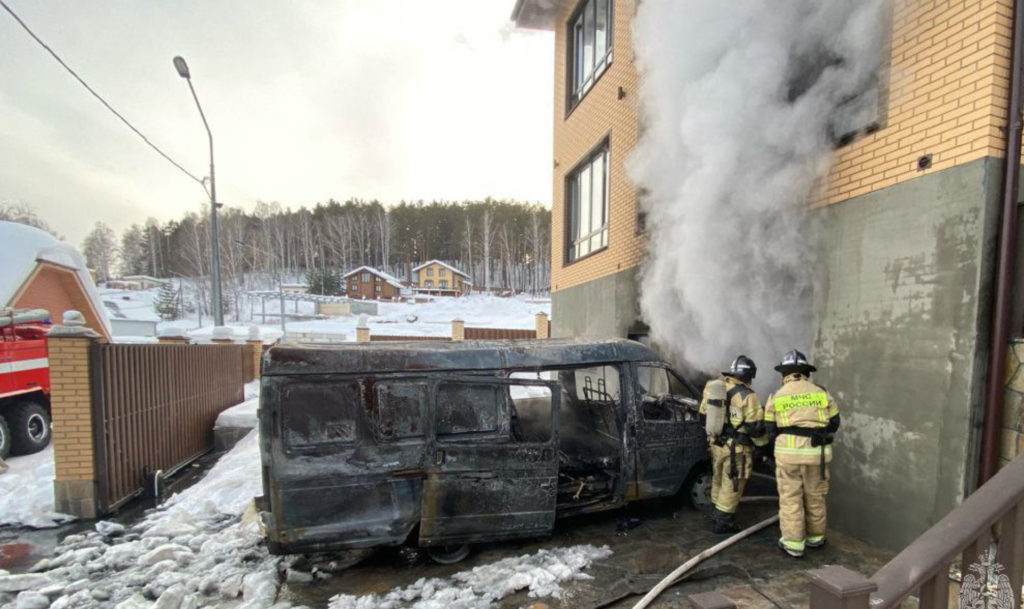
x,y
502,245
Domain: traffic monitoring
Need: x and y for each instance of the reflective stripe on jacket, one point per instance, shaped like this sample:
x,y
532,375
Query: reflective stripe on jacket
x,y
800,403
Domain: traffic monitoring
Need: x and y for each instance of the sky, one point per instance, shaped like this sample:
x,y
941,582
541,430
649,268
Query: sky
x,y
307,101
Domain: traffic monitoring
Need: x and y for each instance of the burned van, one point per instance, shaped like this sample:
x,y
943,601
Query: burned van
x,y
447,444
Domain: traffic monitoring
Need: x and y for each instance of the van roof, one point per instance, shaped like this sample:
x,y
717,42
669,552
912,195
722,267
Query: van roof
x,y
356,358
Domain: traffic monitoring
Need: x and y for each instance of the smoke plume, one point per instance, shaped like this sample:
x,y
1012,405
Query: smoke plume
x,y
741,107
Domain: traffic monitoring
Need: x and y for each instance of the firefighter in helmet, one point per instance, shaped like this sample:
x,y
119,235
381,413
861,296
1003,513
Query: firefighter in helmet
x,y
734,421
803,418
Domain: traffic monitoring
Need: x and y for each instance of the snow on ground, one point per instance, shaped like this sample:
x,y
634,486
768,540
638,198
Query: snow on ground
x,y
26,492
131,304
480,587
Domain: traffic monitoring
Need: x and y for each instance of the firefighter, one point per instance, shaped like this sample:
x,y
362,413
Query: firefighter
x,y
803,418
732,454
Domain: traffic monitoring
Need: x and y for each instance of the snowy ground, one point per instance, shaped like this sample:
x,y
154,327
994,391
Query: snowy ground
x,y
431,318
26,492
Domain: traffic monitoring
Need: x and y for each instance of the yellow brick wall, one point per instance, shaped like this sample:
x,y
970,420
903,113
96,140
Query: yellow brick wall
x,y
600,113
948,93
70,403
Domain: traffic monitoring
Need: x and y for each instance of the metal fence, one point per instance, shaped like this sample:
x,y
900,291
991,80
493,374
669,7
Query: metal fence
x,y
154,407
382,338
975,555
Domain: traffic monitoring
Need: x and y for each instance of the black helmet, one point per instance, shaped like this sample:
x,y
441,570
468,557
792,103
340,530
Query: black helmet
x,y
793,362
742,368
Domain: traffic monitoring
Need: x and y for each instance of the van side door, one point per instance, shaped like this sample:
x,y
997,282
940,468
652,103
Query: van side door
x,y
492,468
666,428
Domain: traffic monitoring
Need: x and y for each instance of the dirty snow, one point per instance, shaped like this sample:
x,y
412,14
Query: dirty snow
x,y
26,492
244,414
482,586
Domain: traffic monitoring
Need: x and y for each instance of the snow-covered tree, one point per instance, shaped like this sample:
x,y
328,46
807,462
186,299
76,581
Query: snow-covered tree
x,y
100,247
167,302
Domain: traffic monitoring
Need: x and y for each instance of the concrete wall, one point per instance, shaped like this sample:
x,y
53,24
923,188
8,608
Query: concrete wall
x,y
900,327
599,308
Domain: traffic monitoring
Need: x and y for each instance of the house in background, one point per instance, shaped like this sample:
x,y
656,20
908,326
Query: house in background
x,y
135,282
368,283
440,279
42,272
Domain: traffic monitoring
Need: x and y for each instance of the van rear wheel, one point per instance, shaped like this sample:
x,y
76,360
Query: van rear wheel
x,y
448,555
29,426
698,489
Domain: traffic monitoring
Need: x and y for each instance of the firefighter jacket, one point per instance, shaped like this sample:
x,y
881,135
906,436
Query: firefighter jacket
x,y
799,403
745,412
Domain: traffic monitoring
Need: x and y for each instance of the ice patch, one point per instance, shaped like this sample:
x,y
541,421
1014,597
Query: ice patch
x,y
480,587
26,492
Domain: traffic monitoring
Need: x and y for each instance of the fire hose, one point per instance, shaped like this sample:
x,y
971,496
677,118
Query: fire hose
x,y
693,562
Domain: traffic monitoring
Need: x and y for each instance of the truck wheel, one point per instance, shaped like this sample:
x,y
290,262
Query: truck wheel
x,y
698,489
29,425
448,555
5,439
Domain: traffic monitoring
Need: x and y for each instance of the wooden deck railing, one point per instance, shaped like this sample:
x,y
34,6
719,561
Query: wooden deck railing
x,y
989,521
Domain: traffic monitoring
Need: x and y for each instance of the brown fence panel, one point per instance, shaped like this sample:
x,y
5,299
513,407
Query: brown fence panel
x,y
498,333
382,338
154,408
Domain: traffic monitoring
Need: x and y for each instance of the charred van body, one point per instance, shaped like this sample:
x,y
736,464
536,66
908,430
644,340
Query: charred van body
x,y
445,444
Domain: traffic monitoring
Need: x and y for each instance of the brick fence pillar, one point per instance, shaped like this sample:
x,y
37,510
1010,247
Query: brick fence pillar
x,y
542,325
458,329
75,484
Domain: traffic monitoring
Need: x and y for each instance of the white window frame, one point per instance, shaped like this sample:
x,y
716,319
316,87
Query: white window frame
x,y
588,220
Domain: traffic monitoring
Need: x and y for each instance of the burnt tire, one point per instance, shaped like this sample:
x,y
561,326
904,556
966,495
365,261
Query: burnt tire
x,y
29,426
448,555
5,439
697,489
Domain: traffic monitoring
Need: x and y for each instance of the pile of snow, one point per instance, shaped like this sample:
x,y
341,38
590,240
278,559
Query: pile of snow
x,y
481,587
26,492
197,550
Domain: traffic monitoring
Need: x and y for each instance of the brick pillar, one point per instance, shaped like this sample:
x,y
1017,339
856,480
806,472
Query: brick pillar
x,y
223,335
75,484
458,329
255,348
542,325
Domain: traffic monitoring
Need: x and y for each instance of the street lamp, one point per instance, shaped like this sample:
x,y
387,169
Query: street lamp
x,y
218,309
280,281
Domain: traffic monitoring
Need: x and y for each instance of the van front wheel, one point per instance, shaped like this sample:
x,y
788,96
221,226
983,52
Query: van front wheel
x,y
448,555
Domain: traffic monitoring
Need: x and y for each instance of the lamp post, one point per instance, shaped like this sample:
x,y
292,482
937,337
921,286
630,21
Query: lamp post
x,y
280,281
218,308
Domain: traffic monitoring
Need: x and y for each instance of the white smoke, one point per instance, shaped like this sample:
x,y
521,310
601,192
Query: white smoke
x,y
738,101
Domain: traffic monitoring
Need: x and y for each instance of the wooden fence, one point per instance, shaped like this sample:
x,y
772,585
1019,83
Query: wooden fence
x,y
154,407
498,333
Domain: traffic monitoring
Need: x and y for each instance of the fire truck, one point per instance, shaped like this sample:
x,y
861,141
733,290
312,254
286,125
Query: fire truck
x,y
24,381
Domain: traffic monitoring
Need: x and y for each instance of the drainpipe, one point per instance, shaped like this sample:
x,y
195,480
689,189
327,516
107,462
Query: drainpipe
x,y
999,338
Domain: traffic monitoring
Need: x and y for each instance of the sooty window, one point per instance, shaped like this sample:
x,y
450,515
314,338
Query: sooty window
x,y
590,46
464,411
320,413
400,409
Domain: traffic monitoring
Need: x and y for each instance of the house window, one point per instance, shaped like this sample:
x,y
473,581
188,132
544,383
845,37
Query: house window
x,y
587,205
590,38
441,272
366,277
430,271
378,287
430,283
443,284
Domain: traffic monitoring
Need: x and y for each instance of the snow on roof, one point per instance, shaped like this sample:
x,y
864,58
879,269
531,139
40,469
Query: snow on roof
x,y
447,266
385,276
24,246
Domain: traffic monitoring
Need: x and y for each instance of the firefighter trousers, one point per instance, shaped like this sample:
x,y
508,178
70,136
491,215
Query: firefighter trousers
x,y
724,495
802,493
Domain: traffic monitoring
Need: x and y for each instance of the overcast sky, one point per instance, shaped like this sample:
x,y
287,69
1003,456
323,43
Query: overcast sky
x,y
385,99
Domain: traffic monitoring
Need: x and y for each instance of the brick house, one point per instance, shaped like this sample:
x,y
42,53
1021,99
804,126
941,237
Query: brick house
x,y
40,271
366,283
438,278
901,308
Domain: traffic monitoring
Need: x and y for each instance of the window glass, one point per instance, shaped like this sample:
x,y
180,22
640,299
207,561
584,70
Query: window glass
x,y
430,283
400,409
591,42
653,380
366,277
441,271
443,283
318,414
597,384
587,196
464,410
430,271
530,413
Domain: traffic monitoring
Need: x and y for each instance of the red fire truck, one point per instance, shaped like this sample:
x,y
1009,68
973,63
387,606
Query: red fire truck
x,y
24,381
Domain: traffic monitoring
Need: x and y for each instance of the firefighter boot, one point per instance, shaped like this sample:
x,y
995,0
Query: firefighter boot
x,y
722,523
